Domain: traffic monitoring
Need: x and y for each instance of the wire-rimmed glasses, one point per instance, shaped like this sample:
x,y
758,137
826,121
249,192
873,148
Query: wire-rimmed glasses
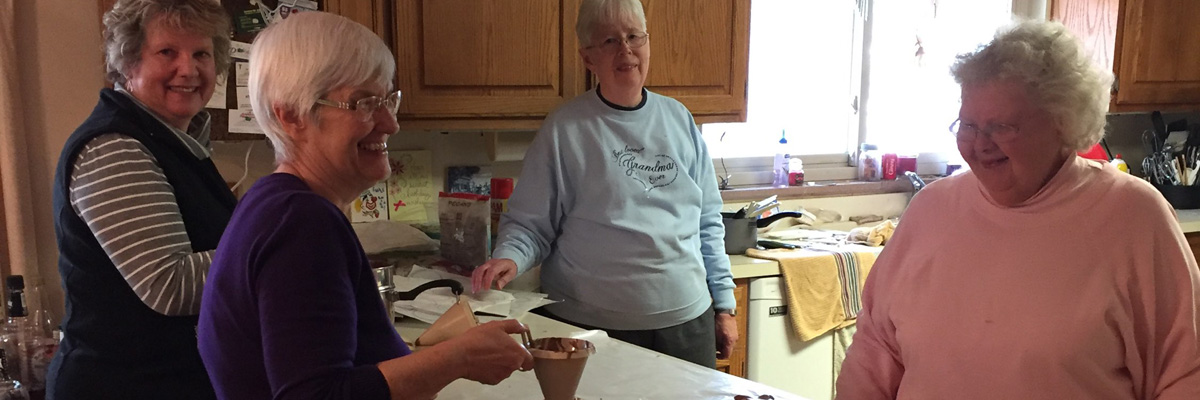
x,y
612,44
999,133
367,106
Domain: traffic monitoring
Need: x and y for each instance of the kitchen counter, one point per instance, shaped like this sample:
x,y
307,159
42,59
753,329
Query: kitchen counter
x,y
749,267
1189,220
617,371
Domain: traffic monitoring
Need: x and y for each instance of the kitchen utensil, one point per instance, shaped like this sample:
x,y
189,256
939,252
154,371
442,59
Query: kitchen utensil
x,y
771,244
742,233
1160,127
558,364
456,287
1181,197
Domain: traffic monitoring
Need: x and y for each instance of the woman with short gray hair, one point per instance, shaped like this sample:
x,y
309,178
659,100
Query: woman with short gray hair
x,y
1036,274
668,288
291,308
139,208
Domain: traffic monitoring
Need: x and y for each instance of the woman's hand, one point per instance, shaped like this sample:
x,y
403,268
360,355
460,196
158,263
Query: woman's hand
x,y
727,335
489,353
500,270
484,354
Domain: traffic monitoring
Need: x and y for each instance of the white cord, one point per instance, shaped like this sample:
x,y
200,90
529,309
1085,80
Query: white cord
x,y
245,168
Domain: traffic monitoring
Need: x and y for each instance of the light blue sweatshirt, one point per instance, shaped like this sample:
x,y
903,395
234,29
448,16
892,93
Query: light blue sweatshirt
x,y
620,206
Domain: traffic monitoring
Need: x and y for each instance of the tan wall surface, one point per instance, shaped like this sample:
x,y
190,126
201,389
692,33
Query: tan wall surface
x,y
58,45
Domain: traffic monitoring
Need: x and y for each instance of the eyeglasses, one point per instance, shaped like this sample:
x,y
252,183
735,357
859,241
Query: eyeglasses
x,y
999,133
367,106
612,44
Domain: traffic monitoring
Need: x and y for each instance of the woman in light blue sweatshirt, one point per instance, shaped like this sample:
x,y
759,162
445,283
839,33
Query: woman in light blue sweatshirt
x,y
618,201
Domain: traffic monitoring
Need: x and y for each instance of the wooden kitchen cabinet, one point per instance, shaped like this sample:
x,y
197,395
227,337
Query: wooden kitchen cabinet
x,y
1193,240
1147,43
736,364
699,54
471,65
374,14
484,65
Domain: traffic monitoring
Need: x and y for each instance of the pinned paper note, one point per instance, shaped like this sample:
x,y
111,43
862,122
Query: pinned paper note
x,y
239,50
242,121
243,73
411,195
220,94
371,205
243,98
297,6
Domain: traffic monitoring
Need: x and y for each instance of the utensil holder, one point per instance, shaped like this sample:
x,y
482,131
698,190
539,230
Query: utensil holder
x,y
1181,197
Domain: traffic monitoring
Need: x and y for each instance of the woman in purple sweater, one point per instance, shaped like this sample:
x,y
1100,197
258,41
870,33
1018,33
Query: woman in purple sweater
x,y
290,309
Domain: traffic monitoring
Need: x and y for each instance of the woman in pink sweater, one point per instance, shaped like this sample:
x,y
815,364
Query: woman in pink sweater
x,y
1037,274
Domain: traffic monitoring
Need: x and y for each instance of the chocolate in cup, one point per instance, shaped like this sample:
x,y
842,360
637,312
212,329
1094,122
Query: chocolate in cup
x,y
558,364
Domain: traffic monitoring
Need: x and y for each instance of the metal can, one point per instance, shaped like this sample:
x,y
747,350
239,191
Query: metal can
x,y
889,163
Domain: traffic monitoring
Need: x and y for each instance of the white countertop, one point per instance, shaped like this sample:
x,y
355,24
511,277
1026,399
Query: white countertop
x,y
749,267
1189,220
618,371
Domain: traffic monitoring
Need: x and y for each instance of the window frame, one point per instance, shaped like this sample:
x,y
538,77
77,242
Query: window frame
x,y
756,171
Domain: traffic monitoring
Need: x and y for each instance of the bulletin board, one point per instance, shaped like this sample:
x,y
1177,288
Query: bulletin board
x,y
239,21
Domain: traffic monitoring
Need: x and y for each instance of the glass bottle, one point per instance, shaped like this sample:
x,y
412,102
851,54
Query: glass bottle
x,y
10,389
869,168
14,329
40,344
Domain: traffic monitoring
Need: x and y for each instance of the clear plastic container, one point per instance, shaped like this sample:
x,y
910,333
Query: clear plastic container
x,y
780,167
869,163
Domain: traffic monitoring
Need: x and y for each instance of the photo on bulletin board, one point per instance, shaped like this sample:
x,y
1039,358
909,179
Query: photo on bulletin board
x,y
469,179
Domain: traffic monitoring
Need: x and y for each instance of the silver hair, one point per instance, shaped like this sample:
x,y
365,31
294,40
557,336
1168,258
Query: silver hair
x,y
1059,76
125,31
305,57
593,13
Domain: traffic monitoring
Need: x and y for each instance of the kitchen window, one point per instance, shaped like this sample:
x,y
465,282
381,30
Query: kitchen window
x,y
814,65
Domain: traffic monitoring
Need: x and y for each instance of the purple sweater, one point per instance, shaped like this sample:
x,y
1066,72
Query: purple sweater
x,y
291,309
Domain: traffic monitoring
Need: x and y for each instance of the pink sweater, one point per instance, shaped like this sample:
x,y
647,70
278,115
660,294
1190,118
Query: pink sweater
x,y
1088,290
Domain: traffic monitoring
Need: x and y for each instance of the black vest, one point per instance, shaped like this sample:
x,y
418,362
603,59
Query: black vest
x,y
114,345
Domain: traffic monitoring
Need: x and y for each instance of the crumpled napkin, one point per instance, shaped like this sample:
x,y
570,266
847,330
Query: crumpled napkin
x,y
877,235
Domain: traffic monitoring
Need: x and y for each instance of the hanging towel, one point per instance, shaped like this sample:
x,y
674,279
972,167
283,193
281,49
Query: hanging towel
x,y
823,286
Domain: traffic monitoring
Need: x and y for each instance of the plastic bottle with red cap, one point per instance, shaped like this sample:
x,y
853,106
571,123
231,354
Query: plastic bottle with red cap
x,y
502,189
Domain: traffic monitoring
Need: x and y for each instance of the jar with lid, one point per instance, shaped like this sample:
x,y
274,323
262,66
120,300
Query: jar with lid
x,y
869,163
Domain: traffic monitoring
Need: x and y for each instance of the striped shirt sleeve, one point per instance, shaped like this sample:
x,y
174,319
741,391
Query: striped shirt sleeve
x,y
120,191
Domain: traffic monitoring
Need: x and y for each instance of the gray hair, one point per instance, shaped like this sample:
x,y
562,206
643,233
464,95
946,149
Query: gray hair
x,y
303,58
125,31
1059,76
593,13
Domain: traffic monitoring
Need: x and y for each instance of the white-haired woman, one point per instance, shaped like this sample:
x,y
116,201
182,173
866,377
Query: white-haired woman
x,y
618,201
139,208
1038,274
291,308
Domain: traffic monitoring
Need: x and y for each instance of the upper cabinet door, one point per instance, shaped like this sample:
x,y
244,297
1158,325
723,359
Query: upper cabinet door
x,y
469,64
1158,55
699,54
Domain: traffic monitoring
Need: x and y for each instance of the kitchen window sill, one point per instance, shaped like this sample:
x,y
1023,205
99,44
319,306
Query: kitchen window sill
x,y
822,189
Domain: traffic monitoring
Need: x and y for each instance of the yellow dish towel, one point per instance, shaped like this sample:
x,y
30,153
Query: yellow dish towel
x,y
823,287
